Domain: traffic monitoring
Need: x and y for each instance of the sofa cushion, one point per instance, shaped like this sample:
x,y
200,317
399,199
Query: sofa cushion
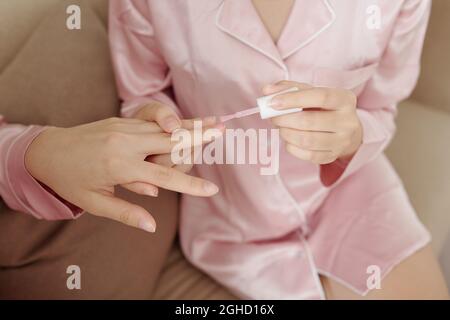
x,y
56,76
180,280
50,75
420,155
432,88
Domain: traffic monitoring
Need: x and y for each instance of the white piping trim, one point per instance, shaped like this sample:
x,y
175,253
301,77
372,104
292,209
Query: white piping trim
x,y
340,281
314,36
278,62
385,272
313,266
295,204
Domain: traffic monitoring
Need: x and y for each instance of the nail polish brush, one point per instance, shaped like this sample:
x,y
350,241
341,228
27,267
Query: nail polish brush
x,y
263,108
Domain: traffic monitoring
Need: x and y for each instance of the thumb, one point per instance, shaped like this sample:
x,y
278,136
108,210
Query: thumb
x,y
111,207
162,114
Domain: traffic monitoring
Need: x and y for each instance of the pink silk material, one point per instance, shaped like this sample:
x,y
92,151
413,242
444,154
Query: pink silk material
x,y
270,237
267,237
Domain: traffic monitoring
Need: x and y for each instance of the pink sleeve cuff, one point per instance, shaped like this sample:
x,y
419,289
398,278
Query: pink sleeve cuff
x,y
375,140
29,195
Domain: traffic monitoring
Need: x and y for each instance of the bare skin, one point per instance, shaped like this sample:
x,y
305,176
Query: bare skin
x,y
417,277
83,164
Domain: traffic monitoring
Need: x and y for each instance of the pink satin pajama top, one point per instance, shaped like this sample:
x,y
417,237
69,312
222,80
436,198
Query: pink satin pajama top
x,y
271,236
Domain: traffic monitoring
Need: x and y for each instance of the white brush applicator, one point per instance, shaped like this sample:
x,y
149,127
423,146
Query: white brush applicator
x,y
263,108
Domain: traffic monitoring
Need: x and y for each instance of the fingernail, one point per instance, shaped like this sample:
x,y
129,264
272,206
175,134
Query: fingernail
x,y
153,192
275,103
210,188
209,121
172,124
147,226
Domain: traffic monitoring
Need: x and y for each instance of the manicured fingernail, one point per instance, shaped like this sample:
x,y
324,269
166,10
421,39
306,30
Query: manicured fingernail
x,y
210,188
209,121
147,226
275,103
152,192
171,124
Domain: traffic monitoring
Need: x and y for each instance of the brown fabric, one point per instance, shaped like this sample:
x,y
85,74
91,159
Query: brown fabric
x,y
58,76
433,87
179,280
50,75
116,262
64,78
420,155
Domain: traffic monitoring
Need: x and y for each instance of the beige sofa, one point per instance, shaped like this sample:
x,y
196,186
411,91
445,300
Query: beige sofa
x,y
420,150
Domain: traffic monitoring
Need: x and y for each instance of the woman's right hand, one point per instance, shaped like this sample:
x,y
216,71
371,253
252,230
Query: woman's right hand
x,y
83,164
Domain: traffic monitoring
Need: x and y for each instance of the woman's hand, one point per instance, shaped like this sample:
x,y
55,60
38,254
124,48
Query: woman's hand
x,y
83,164
326,130
169,121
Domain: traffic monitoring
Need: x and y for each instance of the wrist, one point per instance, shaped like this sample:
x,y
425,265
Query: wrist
x,y
35,155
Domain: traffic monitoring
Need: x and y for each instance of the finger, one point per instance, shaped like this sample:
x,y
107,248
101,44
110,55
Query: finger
x,y
161,159
148,127
144,189
171,179
203,122
309,140
185,168
317,157
284,85
179,140
110,207
164,116
324,121
317,97
141,127
166,161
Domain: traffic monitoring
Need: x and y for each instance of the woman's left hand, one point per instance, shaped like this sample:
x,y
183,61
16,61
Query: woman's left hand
x,y
327,129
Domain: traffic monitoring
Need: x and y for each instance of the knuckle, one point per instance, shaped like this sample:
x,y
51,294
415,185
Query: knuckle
x,y
349,127
194,183
111,165
125,217
330,159
113,120
163,175
290,149
284,134
308,141
154,105
309,121
350,97
315,157
115,138
326,95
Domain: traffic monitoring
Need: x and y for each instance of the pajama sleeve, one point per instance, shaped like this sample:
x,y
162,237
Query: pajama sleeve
x,y
393,81
18,189
141,73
